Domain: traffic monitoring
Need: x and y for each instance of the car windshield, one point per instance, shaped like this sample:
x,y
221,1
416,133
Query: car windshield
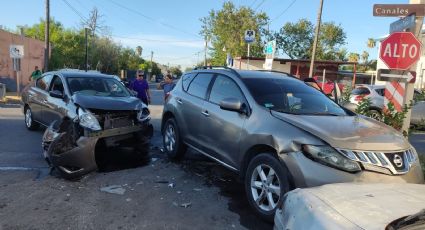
x,y
291,96
360,91
97,86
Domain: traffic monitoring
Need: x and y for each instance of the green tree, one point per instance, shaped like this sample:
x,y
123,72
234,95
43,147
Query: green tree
x,y
353,57
296,40
371,43
152,66
176,71
226,28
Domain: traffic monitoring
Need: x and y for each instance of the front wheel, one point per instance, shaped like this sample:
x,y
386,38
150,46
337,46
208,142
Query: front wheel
x,y
173,146
266,182
375,114
29,121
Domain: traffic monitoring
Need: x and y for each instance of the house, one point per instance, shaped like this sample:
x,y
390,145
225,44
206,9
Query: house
x,y
33,56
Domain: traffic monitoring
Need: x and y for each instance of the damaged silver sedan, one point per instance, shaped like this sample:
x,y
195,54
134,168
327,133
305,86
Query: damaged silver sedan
x,y
84,112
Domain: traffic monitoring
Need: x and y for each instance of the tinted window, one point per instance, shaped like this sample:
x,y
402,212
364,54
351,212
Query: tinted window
x,y
57,84
380,91
199,85
360,91
291,96
225,87
44,82
186,79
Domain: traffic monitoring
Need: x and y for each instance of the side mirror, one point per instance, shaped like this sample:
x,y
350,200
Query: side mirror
x,y
56,94
233,104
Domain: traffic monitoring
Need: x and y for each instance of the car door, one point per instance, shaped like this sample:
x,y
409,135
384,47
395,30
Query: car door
x,y
220,130
55,108
189,105
37,97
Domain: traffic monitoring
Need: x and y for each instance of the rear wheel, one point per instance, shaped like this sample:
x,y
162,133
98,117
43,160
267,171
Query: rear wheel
x,y
266,182
29,121
375,114
173,145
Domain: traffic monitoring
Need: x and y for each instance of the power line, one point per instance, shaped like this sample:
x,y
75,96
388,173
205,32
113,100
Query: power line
x,y
261,3
75,11
151,40
286,9
152,19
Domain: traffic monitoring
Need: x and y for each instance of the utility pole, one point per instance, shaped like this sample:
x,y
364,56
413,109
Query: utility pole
x,y
205,52
316,37
411,86
87,50
150,72
47,37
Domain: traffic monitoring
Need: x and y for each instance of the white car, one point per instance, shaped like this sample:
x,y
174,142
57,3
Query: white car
x,y
353,206
376,95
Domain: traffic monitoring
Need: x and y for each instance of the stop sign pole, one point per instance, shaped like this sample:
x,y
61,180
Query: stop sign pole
x,y
410,87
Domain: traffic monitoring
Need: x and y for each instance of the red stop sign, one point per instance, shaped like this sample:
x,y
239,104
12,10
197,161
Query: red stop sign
x,y
400,50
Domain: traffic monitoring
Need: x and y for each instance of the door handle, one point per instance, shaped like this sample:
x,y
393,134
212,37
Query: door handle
x,y
179,101
205,113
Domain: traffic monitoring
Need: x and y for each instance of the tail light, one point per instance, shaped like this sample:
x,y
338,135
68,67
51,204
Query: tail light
x,y
358,97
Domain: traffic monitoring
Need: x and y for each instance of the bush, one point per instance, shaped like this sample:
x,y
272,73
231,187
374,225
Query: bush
x,y
422,160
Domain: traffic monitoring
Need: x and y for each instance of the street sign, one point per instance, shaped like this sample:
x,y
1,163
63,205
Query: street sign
x,y
400,25
400,50
16,51
249,36
394,75
270,51
398,10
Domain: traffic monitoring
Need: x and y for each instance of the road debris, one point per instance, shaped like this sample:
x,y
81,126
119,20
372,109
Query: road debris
x,y
179,192
197,189
114,189
171,185
186,205
128,199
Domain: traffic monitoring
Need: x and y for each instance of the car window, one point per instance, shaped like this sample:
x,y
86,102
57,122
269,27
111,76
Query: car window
x,y
380,91
56,84
360,91
224,87
44,82
199,85
291,96
97,86
186,79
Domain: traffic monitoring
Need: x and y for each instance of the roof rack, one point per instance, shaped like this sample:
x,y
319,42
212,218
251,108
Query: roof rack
x,y
217,67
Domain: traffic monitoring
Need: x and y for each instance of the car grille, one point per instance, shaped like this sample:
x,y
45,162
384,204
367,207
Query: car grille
x,y
385,162
115,119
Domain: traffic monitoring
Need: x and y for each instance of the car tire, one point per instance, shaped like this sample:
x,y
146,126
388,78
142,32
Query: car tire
x,y
265,188
29,121
173,146
375,114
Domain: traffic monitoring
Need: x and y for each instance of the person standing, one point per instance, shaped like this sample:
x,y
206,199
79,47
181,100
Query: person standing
x,y
167,85
36,74
141,86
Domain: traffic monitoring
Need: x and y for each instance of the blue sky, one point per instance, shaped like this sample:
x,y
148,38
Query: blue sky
x,y
170,28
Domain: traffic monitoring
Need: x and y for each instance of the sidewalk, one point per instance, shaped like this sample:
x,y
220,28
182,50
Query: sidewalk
x,y
11,98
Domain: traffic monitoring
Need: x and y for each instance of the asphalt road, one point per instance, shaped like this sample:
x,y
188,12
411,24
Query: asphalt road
x,y
194,193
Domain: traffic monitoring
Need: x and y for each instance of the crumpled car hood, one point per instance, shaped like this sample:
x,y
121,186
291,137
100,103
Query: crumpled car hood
x,y
107,103
349,132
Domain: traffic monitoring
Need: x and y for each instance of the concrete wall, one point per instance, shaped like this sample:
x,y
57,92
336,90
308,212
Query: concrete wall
x,y
258,64
33,56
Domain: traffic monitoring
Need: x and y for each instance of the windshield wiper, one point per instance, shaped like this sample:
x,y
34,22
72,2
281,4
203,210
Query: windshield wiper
x,y
417,219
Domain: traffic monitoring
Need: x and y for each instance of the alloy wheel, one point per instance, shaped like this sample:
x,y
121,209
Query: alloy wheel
x,y
170,138
265,187
28,118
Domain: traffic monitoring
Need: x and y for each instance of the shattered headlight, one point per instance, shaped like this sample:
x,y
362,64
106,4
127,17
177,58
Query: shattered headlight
x,y
143,115
87,120
329,156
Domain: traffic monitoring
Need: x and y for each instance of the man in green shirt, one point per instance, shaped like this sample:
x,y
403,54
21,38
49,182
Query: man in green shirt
x,y
35,74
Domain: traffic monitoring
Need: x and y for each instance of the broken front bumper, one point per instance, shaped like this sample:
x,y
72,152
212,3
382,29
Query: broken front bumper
x,y
74,154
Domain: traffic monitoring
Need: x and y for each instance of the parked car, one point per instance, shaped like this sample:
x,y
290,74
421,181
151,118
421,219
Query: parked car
x,y
159,78
83,110
376,95
279,134
354,206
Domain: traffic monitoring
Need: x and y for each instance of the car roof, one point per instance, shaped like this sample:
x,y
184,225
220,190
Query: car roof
x,y
79,73
371,86
247,73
